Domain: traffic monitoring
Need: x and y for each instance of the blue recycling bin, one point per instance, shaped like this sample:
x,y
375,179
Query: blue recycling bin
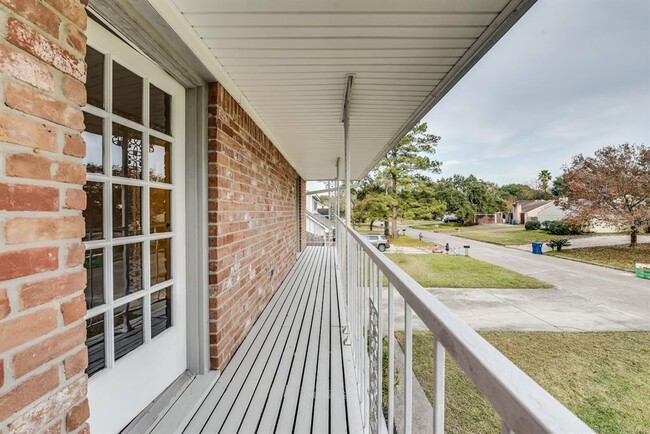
x,y
537,248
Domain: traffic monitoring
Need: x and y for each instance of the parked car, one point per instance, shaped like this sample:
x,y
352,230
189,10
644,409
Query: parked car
x,y
450,219
379,241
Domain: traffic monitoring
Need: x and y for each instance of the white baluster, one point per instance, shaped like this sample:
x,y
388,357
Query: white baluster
x,y
408,369
438,387
391,359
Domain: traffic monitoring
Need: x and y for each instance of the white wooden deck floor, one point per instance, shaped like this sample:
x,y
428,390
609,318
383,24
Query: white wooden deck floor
x,y
292,373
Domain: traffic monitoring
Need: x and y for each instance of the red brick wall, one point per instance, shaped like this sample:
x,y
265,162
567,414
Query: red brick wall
x,y
42,330
303,214
487,219
252,222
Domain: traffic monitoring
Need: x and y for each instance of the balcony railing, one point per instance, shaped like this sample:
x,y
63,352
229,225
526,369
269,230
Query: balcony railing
x,y
522,404
317,233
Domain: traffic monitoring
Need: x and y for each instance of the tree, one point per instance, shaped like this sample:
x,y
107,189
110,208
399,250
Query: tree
x,y
610,187
420,202
396,173
455,199
559,187
465,196
544,178
373,207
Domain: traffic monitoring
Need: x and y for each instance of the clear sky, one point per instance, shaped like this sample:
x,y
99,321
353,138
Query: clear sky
x,y
568,78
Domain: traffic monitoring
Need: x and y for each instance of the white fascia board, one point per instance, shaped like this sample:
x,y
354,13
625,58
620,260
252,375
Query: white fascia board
x,y
184,30
510,14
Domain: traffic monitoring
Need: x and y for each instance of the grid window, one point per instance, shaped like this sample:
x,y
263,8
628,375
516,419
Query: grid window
x,y
129,225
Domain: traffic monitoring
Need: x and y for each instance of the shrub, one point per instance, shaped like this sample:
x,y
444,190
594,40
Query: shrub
x,y
554,227
532,225
576,230
558,243
557,228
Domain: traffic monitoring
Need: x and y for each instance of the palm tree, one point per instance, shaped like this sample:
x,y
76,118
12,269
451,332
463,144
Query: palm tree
x,y
544,178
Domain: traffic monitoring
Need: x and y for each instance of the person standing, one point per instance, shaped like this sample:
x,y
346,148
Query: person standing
x,y
447,248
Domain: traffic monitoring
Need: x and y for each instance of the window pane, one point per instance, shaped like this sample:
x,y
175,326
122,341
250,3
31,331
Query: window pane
x,y
94,211
161,311
161,260
160,210
160,164
127,210
95,77
128,329
159,110
127,93
94,265
127,270
95,342
127,152
94,137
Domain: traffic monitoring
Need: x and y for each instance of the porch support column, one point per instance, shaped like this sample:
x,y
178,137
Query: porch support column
x,y
337,186
346,134
348,203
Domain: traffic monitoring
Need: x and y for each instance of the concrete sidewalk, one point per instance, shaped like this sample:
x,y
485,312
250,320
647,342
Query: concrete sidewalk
x,y
586,298
525,310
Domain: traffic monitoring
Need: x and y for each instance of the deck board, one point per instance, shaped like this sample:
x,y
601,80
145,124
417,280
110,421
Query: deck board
x,y
289,374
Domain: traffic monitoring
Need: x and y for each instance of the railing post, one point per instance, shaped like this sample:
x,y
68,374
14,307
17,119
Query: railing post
x,y
438,387
367,282
380,348
391,359
408,369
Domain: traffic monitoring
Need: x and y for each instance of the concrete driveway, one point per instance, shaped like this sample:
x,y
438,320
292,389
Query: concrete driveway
x,y
586,297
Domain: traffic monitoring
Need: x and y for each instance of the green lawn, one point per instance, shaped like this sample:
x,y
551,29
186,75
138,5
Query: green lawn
x,y
366,228
615,256
602,377
404,241
509,237
439,227
514,235
459,227
448,271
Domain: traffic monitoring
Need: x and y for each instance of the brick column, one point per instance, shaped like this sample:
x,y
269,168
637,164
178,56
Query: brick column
x,y
42,280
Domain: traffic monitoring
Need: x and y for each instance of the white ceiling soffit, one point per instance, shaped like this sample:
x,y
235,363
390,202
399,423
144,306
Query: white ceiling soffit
x,y
286,61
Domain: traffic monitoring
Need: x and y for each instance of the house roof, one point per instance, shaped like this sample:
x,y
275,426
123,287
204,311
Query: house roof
x,y
531,205
286,62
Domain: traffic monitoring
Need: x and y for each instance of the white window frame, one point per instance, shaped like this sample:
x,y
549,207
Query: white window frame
x,y
116,50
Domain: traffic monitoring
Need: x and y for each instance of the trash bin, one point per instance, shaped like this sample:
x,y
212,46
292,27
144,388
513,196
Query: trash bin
x,y
512,221
537,248
643,271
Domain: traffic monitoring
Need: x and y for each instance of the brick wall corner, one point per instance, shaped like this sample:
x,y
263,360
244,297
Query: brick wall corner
x,y
42,329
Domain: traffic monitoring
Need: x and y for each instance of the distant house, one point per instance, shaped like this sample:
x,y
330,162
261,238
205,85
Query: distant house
x,y
318,224
546,210
314,205
529,210
552,213
488,219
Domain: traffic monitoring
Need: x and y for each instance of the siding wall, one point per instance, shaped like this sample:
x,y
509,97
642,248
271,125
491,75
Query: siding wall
x,y
252,222
42,330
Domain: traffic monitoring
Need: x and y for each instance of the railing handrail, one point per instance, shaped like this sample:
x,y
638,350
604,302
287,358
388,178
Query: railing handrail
x,y
314,220
523,405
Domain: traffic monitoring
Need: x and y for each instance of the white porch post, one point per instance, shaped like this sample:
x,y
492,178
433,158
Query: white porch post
x,y
348,203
